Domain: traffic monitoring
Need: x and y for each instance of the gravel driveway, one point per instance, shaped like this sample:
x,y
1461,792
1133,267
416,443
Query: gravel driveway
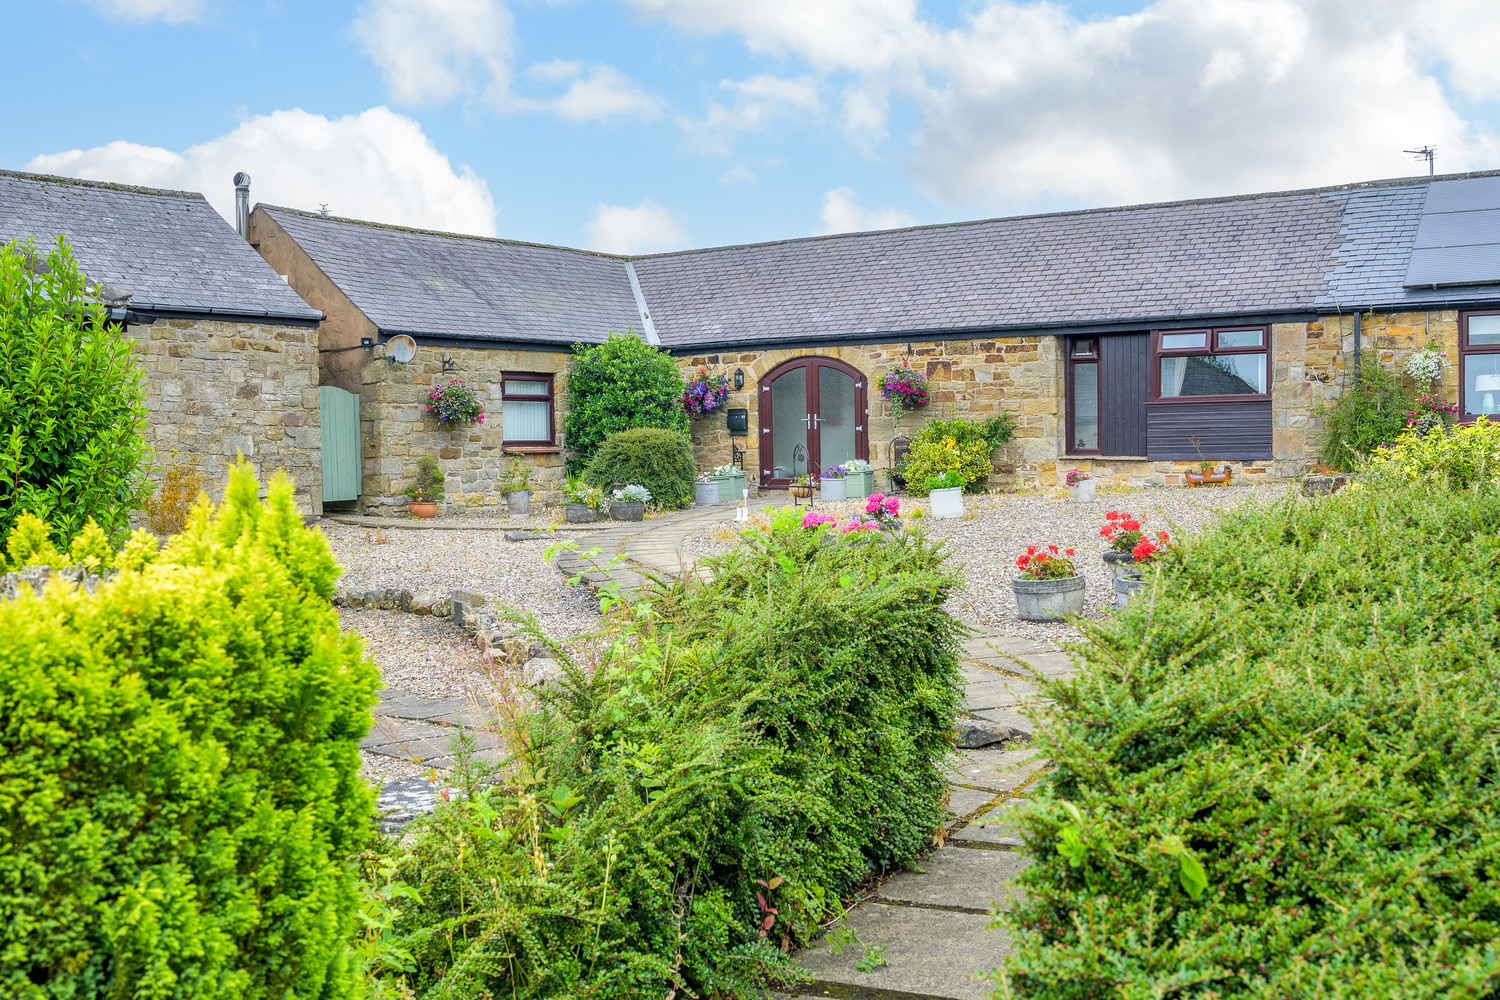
x,y
997,527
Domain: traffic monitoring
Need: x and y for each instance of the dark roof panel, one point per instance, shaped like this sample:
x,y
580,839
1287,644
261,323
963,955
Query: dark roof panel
x,y
467,287
169,250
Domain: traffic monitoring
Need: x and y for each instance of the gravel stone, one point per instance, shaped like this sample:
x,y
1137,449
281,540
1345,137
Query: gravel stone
x,y
997,527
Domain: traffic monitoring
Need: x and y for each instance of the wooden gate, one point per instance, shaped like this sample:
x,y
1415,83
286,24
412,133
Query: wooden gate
x,y
341,461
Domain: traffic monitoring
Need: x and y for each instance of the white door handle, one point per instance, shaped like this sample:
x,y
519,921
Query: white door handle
x,y
807,422
815,421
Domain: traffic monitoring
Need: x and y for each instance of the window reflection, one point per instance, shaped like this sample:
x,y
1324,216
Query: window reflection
x,y
1086,407
1481,381
1223,375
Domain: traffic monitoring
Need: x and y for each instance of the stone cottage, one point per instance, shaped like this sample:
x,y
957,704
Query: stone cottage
x,y
229,350
1130,341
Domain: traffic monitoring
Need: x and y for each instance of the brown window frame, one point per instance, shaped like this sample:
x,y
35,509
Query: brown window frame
x,y
549,399
1464,350
1211,350
1073,358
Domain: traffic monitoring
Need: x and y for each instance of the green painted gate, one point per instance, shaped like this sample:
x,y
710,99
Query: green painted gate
x,y
341,462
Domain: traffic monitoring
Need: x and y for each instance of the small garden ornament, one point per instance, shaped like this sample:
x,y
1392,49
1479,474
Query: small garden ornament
x,y
1082,484
1048,585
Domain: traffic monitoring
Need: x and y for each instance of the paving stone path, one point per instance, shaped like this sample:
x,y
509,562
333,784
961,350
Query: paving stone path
x,y
932,920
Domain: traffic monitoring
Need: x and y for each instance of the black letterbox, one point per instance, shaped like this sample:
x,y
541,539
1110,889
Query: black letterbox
x,y
739,421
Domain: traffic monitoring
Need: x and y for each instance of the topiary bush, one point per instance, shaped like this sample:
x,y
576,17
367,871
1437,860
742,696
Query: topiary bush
x,y
614,386
72,400
179,763
1277,771
745,750
660,460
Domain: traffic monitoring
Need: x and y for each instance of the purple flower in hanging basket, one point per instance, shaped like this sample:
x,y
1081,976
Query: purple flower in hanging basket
x,y
456,403
904,386
705,393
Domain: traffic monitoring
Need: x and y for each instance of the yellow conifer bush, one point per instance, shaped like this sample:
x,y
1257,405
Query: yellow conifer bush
x,y
179,758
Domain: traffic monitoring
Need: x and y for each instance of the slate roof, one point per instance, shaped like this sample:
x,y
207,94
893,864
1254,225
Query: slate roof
x,y
1281,253
169,250
467,287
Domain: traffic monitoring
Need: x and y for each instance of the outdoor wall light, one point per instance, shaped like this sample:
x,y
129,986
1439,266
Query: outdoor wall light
x,y
739,378
366,343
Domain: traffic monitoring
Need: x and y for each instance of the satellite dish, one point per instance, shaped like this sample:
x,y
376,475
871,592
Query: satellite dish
x,y
401,348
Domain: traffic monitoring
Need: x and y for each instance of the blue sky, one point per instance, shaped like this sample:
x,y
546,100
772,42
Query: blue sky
x,y
642,125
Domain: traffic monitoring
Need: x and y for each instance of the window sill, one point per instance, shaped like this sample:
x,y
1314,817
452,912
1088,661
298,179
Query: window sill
x,y
1096,457
530,449
1179,400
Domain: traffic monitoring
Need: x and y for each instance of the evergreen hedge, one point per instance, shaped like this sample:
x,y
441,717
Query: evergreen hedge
x,y
614,386
747,749
1278,772
72,400
179,768
660,460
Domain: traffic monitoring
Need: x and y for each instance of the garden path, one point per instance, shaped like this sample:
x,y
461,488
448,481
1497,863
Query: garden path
x,y
932,919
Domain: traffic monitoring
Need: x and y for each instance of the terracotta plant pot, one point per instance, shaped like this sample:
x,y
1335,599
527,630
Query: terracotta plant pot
x,y
421,508
1207,478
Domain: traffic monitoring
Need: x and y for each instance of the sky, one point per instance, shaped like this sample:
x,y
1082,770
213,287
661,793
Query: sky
x,y
637,126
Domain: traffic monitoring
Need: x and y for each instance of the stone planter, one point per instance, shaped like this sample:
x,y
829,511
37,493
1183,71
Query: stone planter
x,y
424,509
580,513
731,488
947,502
1125,587
705,494
1323,486
858,485
1121,565
1084,491
518,501
834,489
627,510
1048,600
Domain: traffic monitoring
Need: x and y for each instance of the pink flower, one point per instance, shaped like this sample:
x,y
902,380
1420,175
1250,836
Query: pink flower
x,y
892,506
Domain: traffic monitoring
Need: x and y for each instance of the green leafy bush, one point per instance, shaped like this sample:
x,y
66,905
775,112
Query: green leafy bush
x,y
1450,458
72,400
962,446
429,484
747,749
1370,413
1277,771
180,768
660,460
614,386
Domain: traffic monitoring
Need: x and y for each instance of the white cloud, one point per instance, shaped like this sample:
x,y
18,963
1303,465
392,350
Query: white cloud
x,y
605,93
431,51
377,165
756,101
842,214
171,11
646,228
1022,101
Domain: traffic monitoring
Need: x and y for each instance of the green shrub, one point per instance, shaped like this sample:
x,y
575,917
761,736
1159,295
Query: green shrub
x,y
72,400
962,446
180,769
1450,458
747,749
660,460
614,386
429,483
1302,712
1370,413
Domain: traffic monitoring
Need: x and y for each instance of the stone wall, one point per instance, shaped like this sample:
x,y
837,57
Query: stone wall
x,y
219,388
395,430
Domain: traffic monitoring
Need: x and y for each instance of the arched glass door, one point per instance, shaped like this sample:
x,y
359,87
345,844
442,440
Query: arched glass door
x,y
812,416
